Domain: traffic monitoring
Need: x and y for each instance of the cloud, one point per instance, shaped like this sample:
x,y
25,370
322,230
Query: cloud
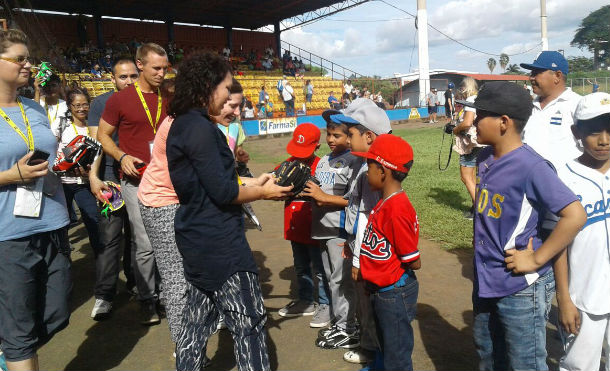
x,y
329,45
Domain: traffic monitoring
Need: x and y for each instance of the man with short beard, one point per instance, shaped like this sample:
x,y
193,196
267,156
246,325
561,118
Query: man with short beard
x,y
135,112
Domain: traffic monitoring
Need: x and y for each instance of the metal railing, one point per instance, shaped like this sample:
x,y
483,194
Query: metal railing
x,y
584,86
307,56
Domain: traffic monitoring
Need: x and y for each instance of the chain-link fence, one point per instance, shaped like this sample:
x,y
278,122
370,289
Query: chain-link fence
x,y
585,86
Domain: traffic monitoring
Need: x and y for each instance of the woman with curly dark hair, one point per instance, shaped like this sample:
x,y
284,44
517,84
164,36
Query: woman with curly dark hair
x,y
219,268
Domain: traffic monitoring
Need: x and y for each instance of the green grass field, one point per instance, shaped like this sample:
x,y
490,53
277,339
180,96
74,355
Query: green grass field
x,y
439,197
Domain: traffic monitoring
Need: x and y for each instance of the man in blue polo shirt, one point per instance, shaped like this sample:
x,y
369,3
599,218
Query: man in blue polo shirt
x,y
514,282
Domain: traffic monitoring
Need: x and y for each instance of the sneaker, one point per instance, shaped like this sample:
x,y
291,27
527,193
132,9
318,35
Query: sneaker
x,y
358,356
339,339
149,313
325,331
321,317
297,309
101,309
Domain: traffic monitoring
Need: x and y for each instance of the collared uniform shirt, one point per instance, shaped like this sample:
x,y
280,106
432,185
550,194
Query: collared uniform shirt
x,y
589,254
513,194
548,129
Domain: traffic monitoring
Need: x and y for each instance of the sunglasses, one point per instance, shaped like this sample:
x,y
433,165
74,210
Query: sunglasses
x,y
21,60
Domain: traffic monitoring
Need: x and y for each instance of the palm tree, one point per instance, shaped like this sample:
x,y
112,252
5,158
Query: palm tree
x,y
504,59
491,64
513,68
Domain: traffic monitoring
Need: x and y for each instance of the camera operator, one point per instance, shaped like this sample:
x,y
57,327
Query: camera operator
x,y
466,140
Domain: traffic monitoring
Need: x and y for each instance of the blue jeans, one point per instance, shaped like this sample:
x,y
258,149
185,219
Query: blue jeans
x,y
308,97
393,311
510,332
87,205
308,260
289,107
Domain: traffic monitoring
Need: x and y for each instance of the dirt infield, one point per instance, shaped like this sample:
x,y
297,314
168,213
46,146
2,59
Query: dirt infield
x,y
443,328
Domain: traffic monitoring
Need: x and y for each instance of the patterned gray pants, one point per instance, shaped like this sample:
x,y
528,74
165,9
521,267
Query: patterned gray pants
x,y
159,224
241,301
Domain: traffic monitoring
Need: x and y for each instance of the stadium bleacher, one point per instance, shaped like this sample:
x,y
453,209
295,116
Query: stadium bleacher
x,y
251,82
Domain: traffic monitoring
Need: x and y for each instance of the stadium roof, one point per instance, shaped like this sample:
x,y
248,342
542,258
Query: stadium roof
x,y
248,14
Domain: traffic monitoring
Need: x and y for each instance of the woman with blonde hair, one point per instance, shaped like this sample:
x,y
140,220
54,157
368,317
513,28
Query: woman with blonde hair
x,y
466,139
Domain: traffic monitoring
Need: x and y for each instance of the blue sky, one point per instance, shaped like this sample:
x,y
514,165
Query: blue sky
x,y
376,39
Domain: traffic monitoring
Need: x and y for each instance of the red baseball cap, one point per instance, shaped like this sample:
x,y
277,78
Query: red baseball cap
x,y
305,139
390,151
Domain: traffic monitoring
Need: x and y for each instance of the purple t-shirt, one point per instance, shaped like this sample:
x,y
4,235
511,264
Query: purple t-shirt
x,y
513,194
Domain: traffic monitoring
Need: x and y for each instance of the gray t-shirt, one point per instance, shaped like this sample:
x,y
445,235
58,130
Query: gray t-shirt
x,y
433,99
336,175
109,167
362,200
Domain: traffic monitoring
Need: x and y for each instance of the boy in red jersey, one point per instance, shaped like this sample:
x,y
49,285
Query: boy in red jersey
x,y
297,229
389,252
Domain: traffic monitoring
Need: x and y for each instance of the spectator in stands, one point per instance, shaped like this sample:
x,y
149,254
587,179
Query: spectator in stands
x,y
333,102
308,91
249,112
96,72
106,63
35,278
135,112
269,52
345,100
266,64
115,224
263,97
226,52
349,89
288,97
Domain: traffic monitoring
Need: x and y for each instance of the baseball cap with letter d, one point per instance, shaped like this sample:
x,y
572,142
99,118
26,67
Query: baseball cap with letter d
x,y
305,139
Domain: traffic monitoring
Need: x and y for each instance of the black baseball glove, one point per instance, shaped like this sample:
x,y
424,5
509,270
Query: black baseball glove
x,y
294,173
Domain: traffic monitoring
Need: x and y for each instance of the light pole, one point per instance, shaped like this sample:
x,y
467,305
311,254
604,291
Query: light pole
x,y
422,41
545,39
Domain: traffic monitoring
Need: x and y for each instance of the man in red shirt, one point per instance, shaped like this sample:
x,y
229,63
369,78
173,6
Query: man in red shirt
x,y
135,112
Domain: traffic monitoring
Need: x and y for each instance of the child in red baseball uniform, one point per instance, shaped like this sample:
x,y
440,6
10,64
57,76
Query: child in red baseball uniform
x,y
297,229
389,255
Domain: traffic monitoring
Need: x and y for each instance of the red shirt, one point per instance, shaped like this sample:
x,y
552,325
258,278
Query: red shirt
x,y
390,239
297,214
124,111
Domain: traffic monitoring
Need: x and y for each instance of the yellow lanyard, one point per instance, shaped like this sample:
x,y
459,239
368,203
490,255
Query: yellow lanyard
x,y
29,140
76,131
46,107
153,124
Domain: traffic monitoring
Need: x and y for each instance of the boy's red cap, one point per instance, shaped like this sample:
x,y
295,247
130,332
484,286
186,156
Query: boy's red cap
x,y
304,141
390,151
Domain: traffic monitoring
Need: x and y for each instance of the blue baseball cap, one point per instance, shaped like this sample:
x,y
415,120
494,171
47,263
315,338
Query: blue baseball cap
x,y
548,60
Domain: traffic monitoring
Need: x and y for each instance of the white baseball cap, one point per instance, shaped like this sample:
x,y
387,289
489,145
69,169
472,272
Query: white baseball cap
x,y
592,105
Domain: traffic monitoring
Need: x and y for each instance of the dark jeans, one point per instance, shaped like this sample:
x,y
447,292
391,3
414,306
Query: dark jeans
x,y
307,263
393,312
88,210
107,259
289,107
510,332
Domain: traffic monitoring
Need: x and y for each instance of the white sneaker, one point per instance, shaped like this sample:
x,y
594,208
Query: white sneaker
x,y
357,356
101,309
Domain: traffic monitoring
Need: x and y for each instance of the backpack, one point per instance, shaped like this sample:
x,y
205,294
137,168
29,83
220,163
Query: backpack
x,y
280,86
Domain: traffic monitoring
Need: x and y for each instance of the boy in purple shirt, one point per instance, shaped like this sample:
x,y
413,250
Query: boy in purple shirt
x,y
514,282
